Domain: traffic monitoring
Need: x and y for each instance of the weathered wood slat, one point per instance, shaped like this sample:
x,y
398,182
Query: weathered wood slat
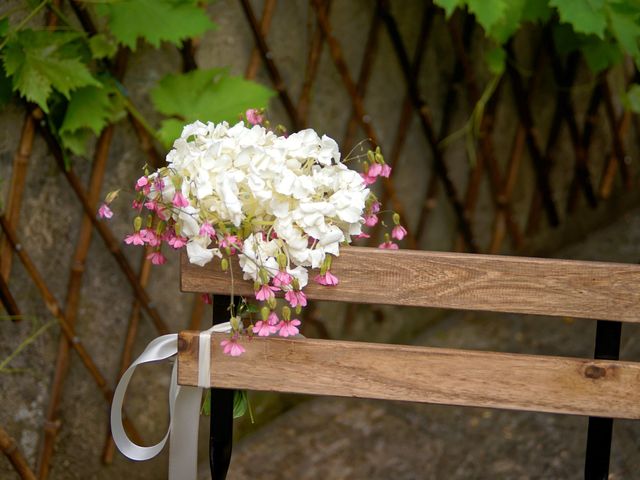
x,y
607,291
420,374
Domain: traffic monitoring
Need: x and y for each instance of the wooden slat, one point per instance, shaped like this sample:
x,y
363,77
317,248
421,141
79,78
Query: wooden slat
x,y
607,291
420,374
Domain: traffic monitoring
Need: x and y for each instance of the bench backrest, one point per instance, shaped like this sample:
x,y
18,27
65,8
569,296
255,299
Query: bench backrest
x,y
560,288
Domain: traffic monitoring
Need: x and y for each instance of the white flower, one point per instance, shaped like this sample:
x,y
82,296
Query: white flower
x,y
294,187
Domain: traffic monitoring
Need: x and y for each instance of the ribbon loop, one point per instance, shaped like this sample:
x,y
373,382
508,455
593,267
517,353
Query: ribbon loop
x,y
184,407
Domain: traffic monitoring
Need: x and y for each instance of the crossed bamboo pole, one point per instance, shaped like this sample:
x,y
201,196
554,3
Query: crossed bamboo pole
x,y
56,310
437,161
9,447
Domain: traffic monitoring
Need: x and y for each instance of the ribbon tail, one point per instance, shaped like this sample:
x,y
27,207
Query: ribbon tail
x,y
183,455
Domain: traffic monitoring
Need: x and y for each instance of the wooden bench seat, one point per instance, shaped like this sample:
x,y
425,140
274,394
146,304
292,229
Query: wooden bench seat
x,y
602,388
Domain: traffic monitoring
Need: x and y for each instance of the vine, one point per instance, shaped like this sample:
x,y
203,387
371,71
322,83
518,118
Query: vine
x,y
67,72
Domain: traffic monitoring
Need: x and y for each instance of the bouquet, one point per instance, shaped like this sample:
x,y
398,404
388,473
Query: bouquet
x,y
282,203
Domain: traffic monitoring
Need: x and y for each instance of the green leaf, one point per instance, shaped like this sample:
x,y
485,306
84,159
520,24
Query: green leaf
x,y
509,24
448,5
4,26
205,95
585,16
206,404
488,12
92,108
496,58
565,39
155,20
600,54
631,100
536,11
6,89
102,46
240,402
76,141
40,61
623,21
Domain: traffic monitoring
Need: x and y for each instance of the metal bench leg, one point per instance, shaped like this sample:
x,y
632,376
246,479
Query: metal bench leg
x,y
221,420
600,429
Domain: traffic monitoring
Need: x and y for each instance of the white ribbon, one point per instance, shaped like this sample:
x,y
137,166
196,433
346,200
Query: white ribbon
x,y
184,407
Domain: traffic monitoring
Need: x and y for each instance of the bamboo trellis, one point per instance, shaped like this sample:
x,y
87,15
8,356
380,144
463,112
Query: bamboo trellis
x,y
500,169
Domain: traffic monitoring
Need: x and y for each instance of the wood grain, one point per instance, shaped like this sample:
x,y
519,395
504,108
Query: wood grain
x,y
420,374
606,291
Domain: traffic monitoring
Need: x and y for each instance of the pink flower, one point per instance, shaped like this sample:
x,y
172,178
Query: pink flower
x,y
232,347
207,230
206,298
282,279
371,220
158,184
179,200
151,205
367,179
328,279
372,174
296,297
386,171
104,211
136,205
264,329
142,182
160,212
254,117
229,241
362,235
134,238
288,329
388,245
273,319
177,241
265,292
398,232
157,258
150,237
375,207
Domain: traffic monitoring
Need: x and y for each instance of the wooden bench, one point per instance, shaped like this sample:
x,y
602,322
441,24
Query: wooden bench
x,y
602,388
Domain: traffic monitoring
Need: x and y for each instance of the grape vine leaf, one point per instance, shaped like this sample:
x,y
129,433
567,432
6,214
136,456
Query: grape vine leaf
x,y
631,99
448,5
92,107
488,12
5,88
585,16
600,54
206,95
496,60
41,61
154,20
623,19
4,26
102,46
536,10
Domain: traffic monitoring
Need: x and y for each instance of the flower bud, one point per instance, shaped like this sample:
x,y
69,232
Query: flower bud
x,y
271,302
224,264
371,156
111,196
137,223
264,276
149,221
264,313
286,313
295,284
282,261
236,323
298,309
396,219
